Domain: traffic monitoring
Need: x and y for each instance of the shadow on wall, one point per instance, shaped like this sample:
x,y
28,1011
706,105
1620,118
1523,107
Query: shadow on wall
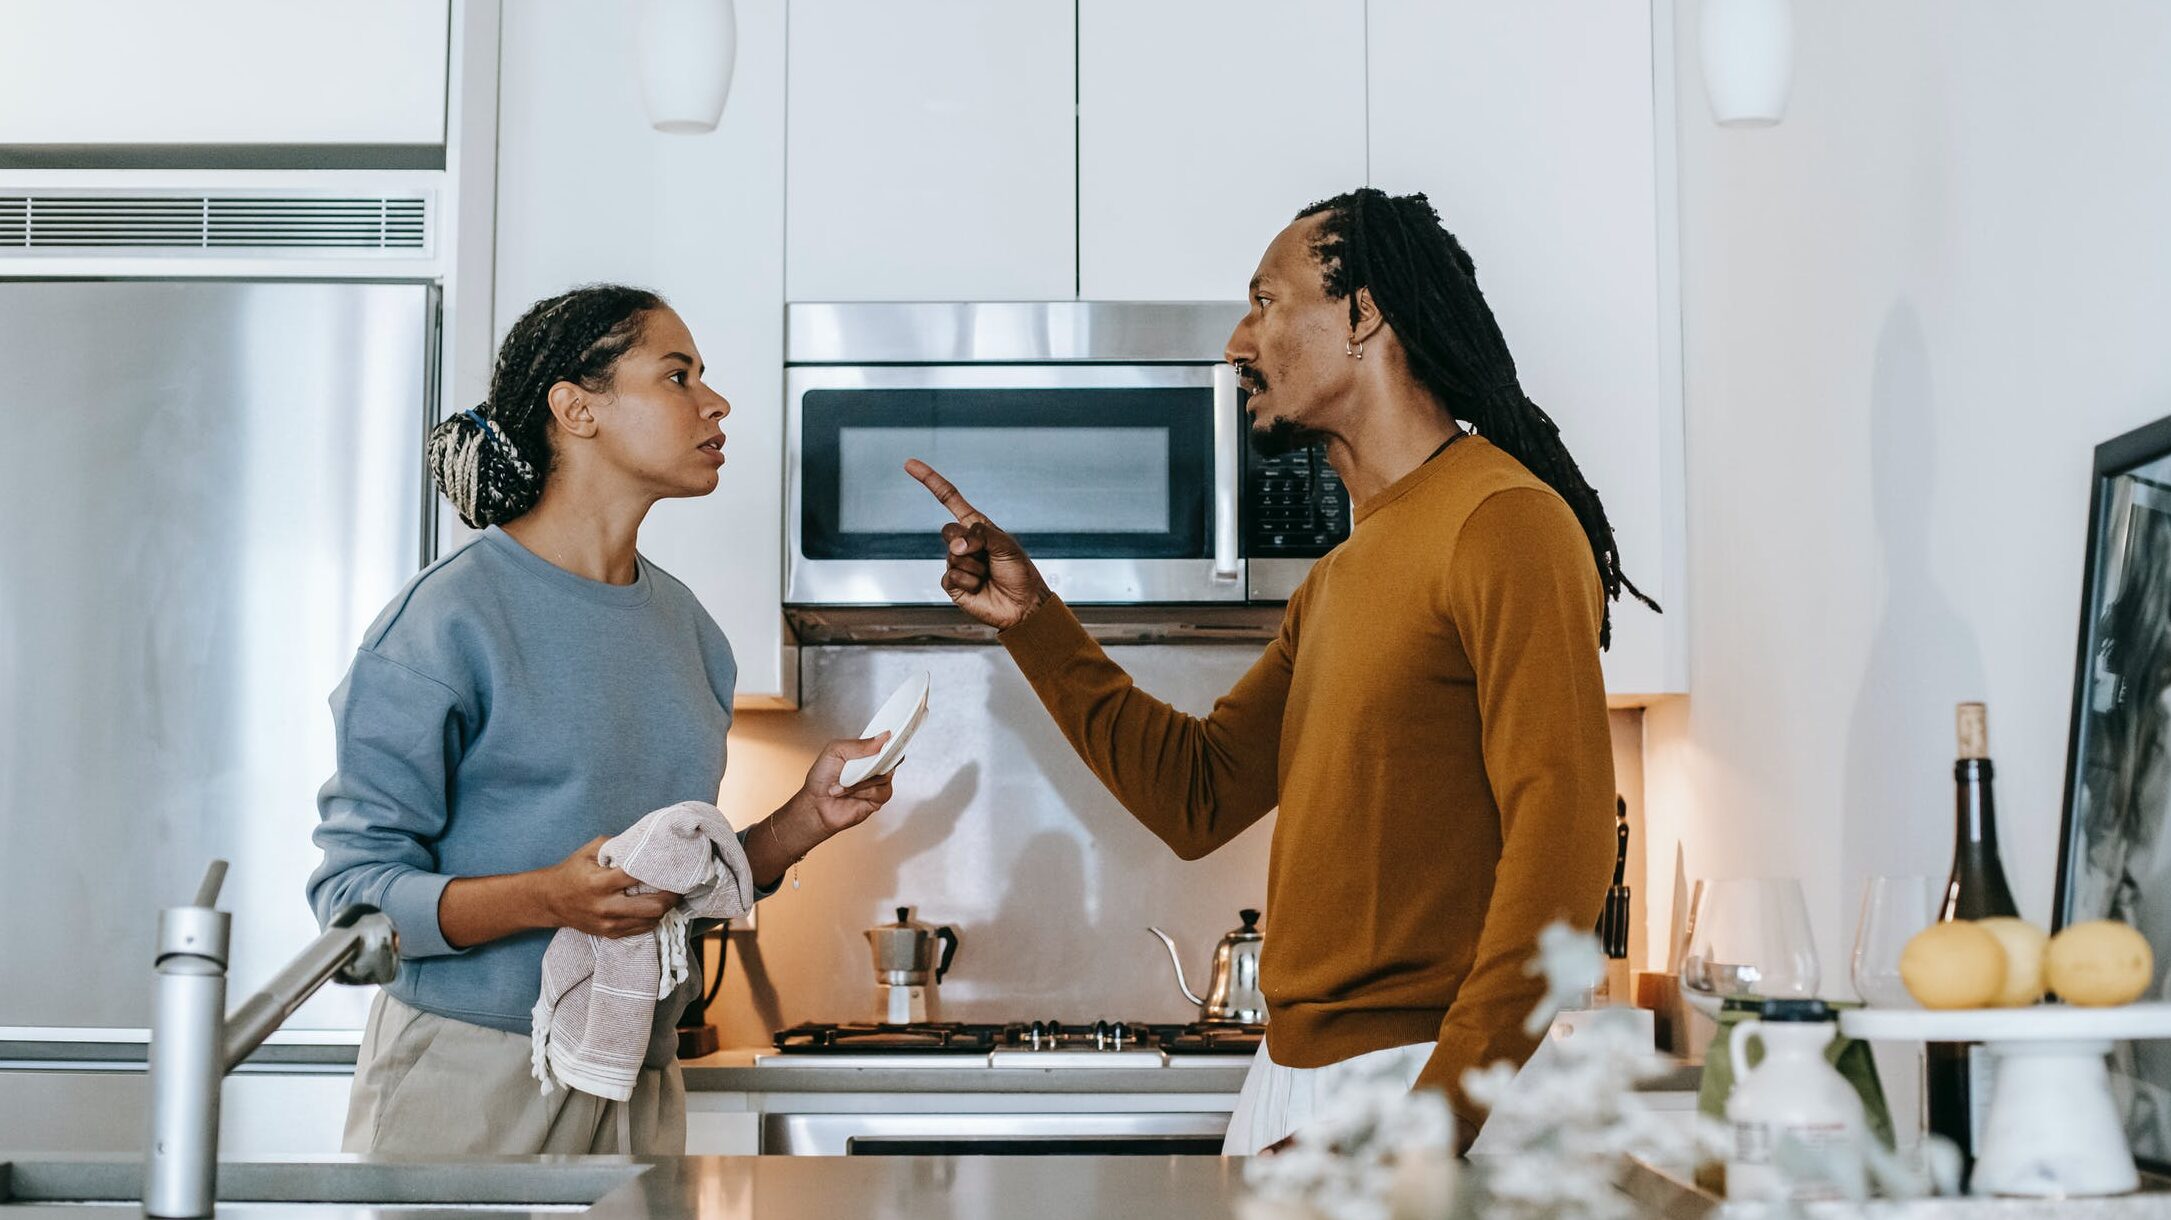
x,y
907,830
996,828
999,830
1924,657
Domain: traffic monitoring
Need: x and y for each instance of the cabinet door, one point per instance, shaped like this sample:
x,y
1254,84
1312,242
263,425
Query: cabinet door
x,y
932,151
224,72
1203,128
587,191
1534,128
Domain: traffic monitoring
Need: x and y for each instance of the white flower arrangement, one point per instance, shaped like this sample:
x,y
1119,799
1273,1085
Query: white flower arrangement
x,y
1377,1151
1555,1139
1558,1131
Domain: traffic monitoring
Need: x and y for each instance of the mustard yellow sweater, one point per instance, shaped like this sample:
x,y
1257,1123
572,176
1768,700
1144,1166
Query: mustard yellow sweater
x,y
1431,721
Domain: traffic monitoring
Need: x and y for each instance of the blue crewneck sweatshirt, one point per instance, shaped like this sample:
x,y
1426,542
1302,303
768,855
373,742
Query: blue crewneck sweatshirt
x,y
500,713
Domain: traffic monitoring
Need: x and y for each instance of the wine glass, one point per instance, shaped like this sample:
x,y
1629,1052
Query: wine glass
x,y
1748,937
1893,910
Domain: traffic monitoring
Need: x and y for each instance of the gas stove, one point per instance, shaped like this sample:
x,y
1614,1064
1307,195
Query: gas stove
x,y
1036,1044
1186,1118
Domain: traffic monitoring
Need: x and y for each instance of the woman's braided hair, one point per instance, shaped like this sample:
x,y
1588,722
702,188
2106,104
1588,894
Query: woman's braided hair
x,y
491,461
1425,285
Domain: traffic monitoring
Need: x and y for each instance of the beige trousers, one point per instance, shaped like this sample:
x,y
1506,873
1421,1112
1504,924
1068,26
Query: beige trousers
x,y
430,1085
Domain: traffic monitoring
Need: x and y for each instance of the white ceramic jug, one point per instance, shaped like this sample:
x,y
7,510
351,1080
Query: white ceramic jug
x,y
1794,1094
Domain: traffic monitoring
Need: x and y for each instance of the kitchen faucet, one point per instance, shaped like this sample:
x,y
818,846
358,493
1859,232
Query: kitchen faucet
x,y
194,1043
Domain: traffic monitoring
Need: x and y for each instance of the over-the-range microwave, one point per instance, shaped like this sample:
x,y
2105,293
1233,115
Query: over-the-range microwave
x,y
1110,438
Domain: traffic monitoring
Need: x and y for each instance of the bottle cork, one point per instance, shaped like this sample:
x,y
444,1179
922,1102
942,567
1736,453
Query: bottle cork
x,y
1974,731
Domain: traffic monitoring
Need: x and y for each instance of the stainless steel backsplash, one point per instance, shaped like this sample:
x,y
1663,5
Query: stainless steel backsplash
x,y
998,829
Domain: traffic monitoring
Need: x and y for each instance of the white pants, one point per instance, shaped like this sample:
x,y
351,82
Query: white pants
x,y
1278,1101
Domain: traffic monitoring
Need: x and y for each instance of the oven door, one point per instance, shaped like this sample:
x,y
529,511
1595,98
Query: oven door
x,y
993,1134
1122,481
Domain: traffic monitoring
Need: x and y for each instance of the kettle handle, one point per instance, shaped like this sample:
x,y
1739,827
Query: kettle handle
x,y
1737,1047
948,936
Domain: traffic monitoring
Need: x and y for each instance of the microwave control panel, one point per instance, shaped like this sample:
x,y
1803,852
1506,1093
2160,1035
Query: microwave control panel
x,y
1294,505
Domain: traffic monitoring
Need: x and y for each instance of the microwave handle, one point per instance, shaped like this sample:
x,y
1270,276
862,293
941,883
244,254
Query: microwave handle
x,y
1228,472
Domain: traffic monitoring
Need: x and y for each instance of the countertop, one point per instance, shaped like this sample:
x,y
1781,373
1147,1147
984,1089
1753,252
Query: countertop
x,y
36,1047
734,1071
821,1188
1671,1194
727,1071
711,1188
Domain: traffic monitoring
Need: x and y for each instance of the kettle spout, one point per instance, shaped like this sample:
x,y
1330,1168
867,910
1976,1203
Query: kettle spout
x,y
1176,961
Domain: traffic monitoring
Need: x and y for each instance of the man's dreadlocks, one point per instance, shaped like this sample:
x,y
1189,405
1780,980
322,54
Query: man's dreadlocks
x,y
1425,286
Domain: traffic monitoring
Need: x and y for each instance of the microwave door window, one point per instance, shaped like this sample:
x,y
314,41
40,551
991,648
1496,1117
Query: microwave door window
x,y
1030,481
1082,474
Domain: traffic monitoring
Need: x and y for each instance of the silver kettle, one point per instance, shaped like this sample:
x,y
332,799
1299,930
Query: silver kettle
x,y
1232,991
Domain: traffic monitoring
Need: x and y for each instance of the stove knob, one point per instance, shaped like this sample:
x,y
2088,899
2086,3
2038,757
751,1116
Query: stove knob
x,y
1121,1033
1055,1031
1100,1035
1036,1032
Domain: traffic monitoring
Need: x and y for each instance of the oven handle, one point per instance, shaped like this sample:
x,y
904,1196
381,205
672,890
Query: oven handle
x,y
1228,471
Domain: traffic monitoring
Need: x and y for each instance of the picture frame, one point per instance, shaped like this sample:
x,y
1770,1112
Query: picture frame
x,y
2115,833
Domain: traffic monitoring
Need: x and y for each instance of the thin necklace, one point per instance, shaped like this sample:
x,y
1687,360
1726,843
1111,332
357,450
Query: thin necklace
x,y
1459,434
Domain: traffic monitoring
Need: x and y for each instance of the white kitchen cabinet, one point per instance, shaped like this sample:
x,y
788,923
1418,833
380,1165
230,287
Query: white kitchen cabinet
x,y
223,72
587,191
932,151
1542,130
301,1112
1203,128
721,1124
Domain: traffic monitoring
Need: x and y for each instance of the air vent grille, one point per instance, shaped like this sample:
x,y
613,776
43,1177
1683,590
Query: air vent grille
x,y
215,223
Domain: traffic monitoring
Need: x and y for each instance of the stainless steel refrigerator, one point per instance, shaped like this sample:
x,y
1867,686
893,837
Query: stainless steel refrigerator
x,y
208,489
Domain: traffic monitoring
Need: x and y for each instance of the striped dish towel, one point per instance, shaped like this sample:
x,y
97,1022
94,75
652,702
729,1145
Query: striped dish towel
x,y
598,1003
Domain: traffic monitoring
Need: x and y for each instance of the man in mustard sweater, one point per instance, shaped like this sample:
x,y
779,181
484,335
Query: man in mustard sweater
x,y
1431,719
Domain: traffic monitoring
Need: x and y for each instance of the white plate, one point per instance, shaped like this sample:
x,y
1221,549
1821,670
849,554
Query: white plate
x,y
2035,1023
900,717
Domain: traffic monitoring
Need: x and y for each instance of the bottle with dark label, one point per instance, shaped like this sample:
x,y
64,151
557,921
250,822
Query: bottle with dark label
x,y
1976,890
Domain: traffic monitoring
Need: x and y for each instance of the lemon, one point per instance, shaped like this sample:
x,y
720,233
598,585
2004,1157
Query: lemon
x,y
1953,965
2099,964
2023,943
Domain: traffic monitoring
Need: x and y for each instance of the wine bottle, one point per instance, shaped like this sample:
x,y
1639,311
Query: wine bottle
x,y
1976,890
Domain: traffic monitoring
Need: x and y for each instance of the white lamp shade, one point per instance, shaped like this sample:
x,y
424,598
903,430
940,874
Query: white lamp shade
x,y
685,50
1748,58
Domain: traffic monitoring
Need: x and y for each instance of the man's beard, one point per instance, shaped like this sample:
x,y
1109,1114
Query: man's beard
x,y
1280,436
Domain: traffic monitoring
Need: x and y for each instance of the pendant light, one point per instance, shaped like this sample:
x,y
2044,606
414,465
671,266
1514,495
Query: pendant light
x,y
1748,58
685,50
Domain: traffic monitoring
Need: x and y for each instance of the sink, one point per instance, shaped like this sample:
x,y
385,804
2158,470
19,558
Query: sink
x,y
510,1185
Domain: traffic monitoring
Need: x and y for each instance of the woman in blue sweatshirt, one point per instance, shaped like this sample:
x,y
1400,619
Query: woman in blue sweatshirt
x,y
520,701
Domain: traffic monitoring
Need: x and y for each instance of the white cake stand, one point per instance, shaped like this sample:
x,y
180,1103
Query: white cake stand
x,y
2052,1130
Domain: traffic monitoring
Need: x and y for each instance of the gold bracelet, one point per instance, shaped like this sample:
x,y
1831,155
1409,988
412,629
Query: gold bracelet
x,y
778,836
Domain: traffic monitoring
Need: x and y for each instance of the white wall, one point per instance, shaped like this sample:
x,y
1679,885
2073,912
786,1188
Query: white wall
x,y
1911,311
